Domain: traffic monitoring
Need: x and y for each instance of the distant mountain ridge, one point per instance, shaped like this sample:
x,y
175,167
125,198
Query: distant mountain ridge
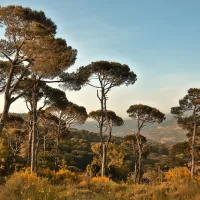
x,y
167,132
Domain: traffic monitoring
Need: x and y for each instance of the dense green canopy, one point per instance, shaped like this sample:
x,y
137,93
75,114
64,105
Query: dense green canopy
x,y
145,113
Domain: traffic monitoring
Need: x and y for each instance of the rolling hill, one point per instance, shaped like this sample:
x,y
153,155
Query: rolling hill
x,y
167,132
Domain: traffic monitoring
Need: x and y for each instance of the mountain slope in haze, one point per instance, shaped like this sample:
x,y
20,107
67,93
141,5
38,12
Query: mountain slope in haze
x,y
167,132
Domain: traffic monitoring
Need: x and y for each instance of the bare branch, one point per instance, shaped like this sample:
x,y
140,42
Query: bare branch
x,y
7,57
17,83
26,90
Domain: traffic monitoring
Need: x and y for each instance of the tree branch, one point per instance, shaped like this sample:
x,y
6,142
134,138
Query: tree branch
x,y
7,57
20,78
27,89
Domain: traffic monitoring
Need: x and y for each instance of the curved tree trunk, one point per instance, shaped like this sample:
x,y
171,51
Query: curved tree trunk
x,y
7,99
4,114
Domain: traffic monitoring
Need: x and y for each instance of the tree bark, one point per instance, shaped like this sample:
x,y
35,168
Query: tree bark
x,y
29,144
101,136
193,147
56,155
7,100
103,160
4,114
36,147
136,171
136,161
139,159
34,130
44,144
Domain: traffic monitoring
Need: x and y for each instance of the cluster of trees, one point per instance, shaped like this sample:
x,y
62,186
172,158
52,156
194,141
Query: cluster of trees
x,y
188,115
32,59
31,54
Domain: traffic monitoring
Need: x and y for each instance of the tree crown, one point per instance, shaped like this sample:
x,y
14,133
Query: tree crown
x,y
145,113
191,102
110,74
132,137
116,120
25,23
71,114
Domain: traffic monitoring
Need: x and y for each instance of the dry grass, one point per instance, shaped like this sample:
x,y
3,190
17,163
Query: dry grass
x,y
24,186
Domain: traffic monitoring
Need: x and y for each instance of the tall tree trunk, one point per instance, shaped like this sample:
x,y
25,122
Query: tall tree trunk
x,y
44,144
136,171
136,161
101,135
4,114
109,129
56,155
36,147
193,147
103,160
29,143
33,168
139,167
7,99
34,134
59,132
139,159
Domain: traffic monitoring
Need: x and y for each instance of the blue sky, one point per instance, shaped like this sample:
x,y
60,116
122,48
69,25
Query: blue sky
x,y
158,39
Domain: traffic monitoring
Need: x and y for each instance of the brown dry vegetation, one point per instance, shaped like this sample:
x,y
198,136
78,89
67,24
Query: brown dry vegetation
x,y
66,185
